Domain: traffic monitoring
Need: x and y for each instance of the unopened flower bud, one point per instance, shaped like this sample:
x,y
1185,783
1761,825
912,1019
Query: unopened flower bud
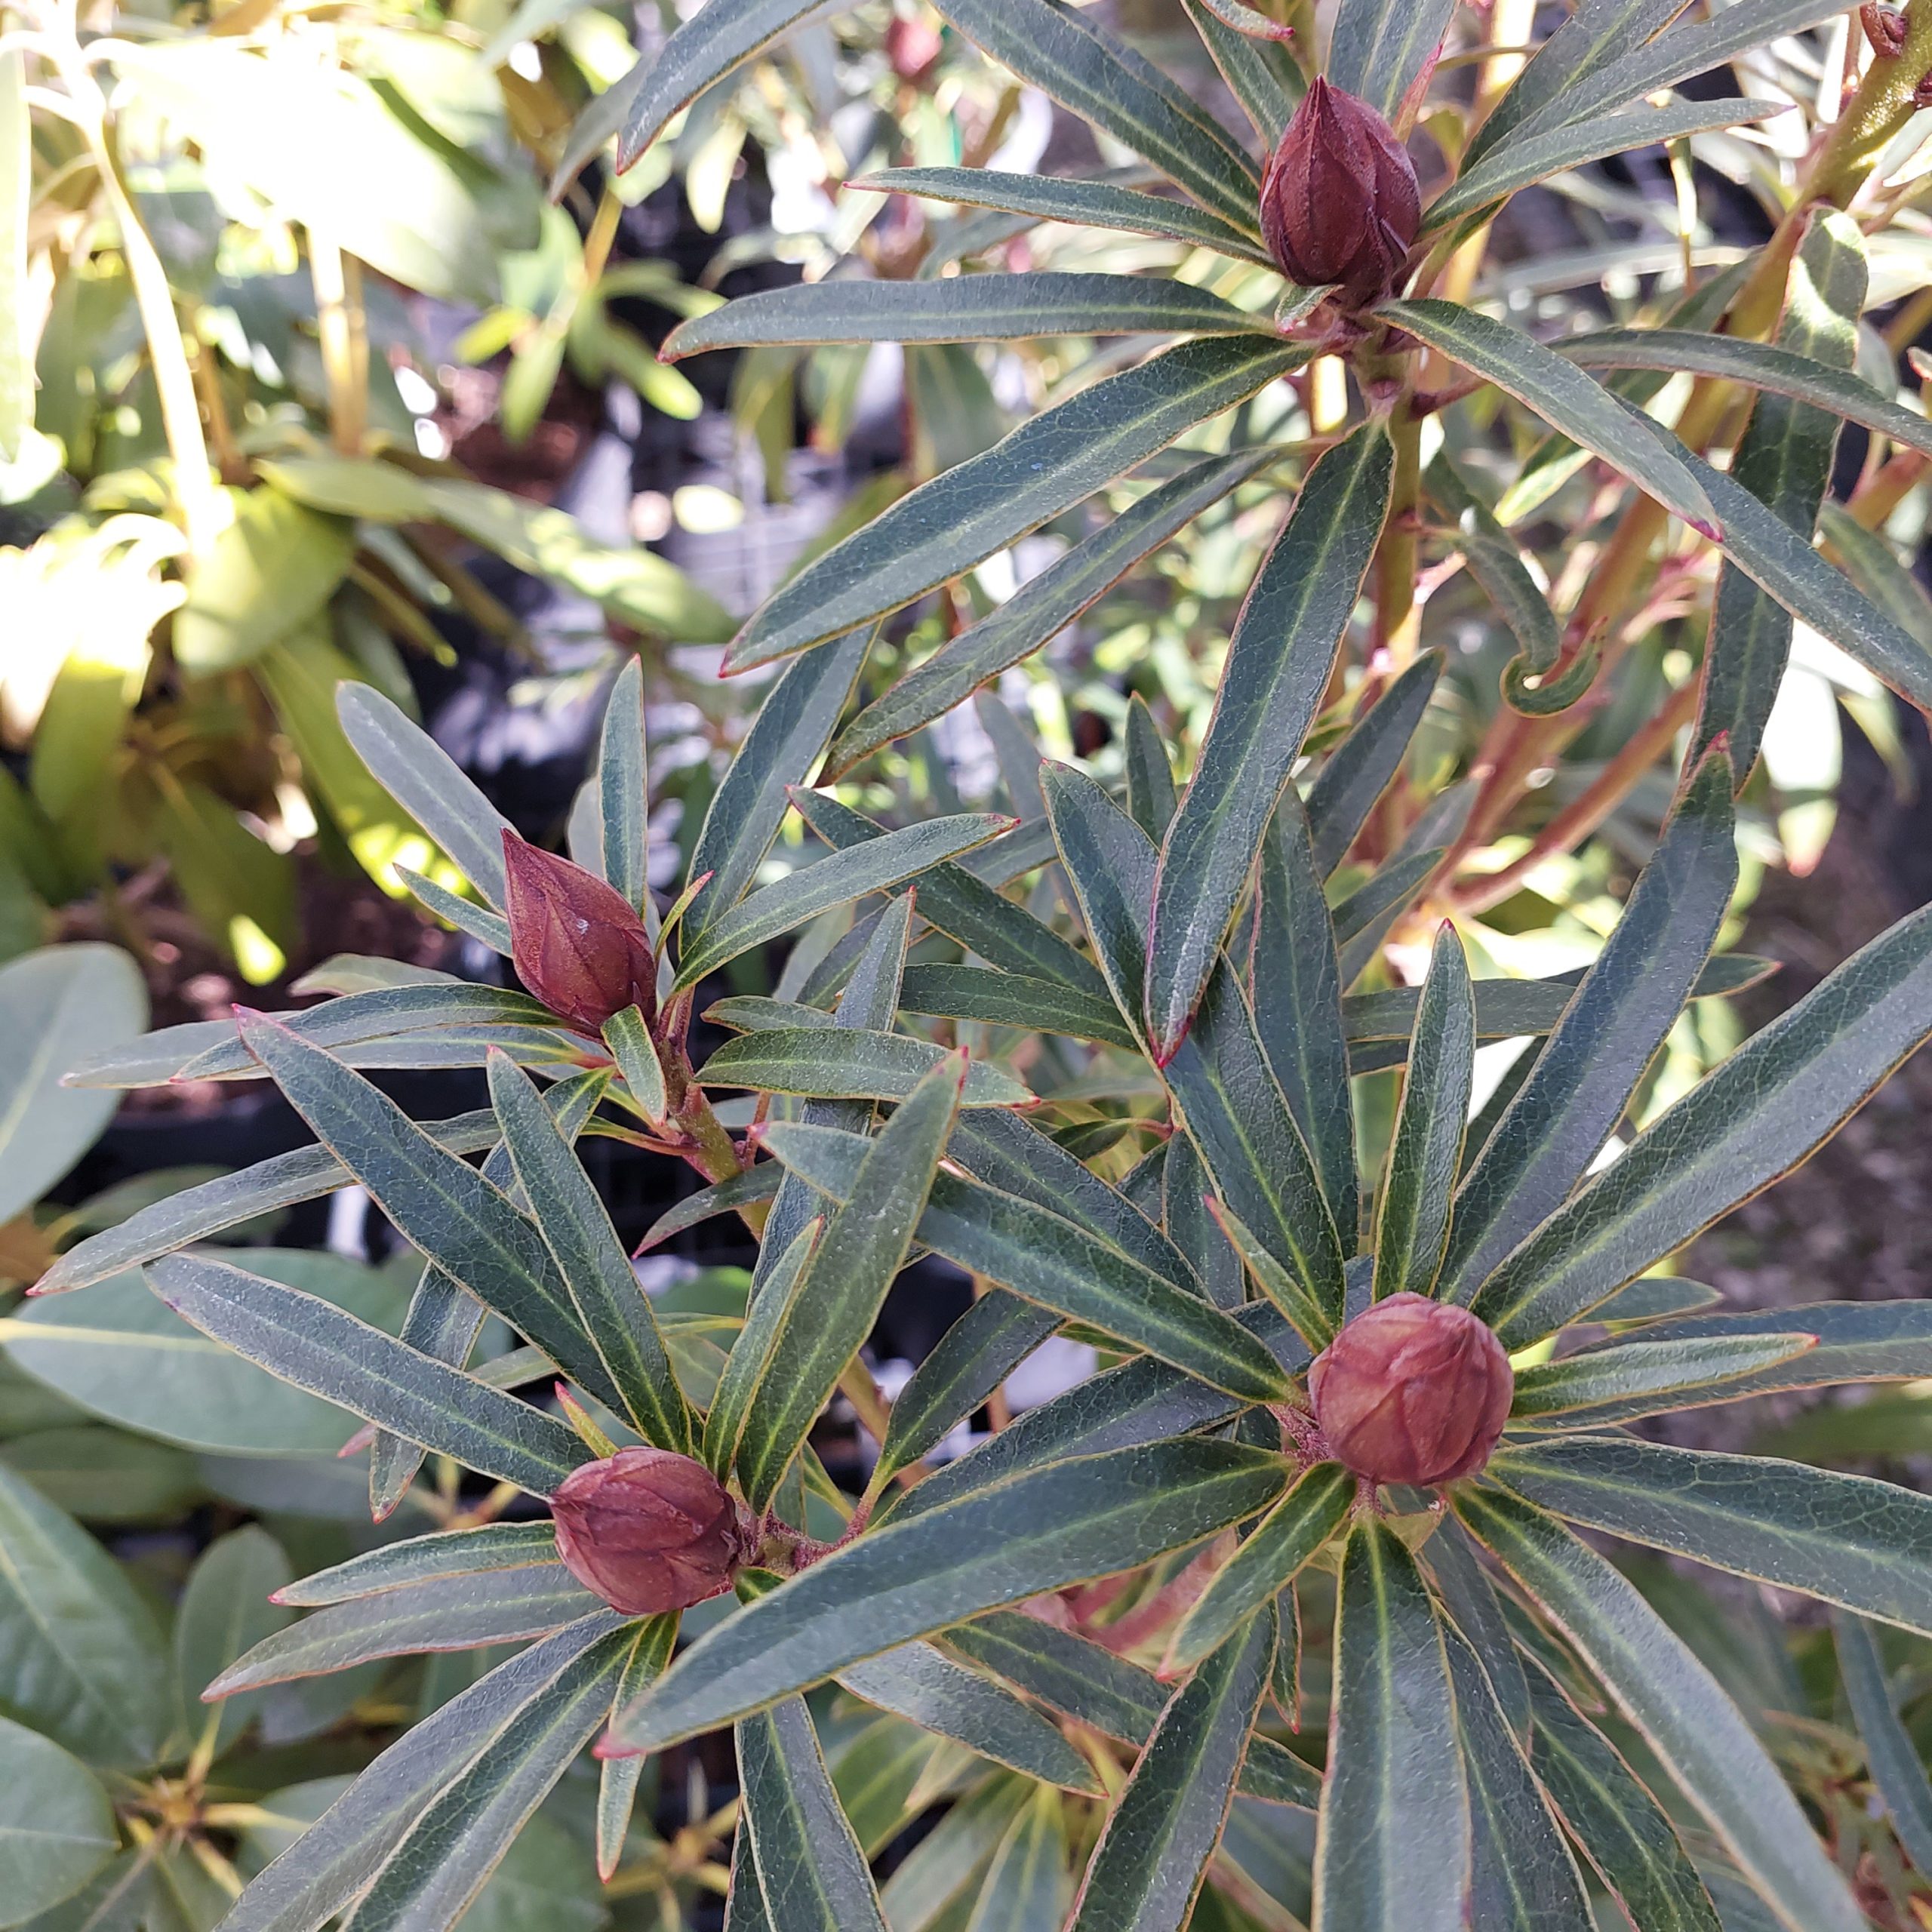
x,y
913,46
577,944
1340,204
648,1531
1412,1391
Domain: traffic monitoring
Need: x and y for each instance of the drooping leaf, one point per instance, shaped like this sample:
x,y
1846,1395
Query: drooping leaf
x,y
1496,564
1647,1377
1628,1002
1357,772
1153,1855
1049,464
1663,1689
1779,1095
1412,1223
1393,1850
1284,644
1890,1755
1042,1529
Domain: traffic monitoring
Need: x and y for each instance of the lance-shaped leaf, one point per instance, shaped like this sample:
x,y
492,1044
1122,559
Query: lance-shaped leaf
x,y
652,1643
1056,1263
810,1870
1296,979
852,1064
1496,564
1525,1879
1280,1544
1151,796
926,1687
1039,1531
1078,1678
1110,863
1864,1545
1622,1828
1050,463
1774,1100
1412,1215
460,1221
451,1850
835,880
1026,1884
1188,1206
1112,88
744,1902
1260,72
1283,646
597,1274
843,1285
1363,920
1475,1612
1785,458
1379,49
796,719
1392,1851
1647,1377
628,1035
966,308
1521,163
424,1559
455,1613
1563,396
1148,1868
1628,1002
751,1353
429,784
1890,1755
302,1339
1012,999
1044,604
331,1863
1358,771
716,39
951,1861
1675,1702
623,790
1091,202
963,906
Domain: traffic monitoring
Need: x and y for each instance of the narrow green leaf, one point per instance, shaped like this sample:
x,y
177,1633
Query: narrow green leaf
x,y
1087,204
429,784
835,880
744,1902
1279,1546
844,1285
456,1612
628,1035
1623,1830
719,38
966,308
603,1288
1519,164
1496,564
1525,1878
1296,979
1393,1852
1112,88
1379,49
1040,1530
459,1219
623,788
1357,772
1044,605
927,1688
302,1339
1867,558
1362,920
1784,457
795,720
1655,1298
1148,1868
1110,863
1012,999
751,1353
849,1064
1663,1689
433,1876
1284,646
617,1780
424,1559
1260,72
1193,1216
1052,1261
1864,1545
1026,1884
1151,796
1628,1002
1413,1214
1774,1100
1647,1377
1470,1600
1890,1755
1563,397
1051,461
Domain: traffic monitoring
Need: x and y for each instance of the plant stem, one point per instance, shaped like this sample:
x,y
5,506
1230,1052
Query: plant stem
x,y
343,329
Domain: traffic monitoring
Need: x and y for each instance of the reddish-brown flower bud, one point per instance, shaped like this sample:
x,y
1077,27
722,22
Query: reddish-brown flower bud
x,y
913,46
648,1531
1339,201
578,944
1412,1391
